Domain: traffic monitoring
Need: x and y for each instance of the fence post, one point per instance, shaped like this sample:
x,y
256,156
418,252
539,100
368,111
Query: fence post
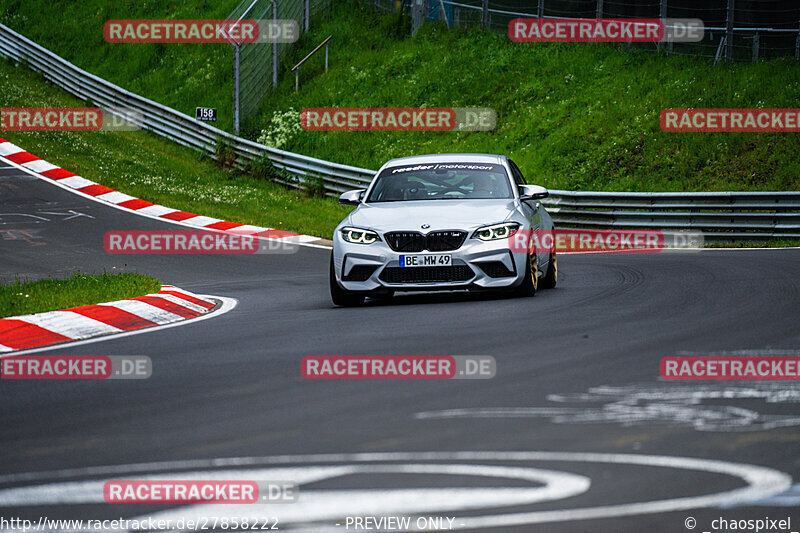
x,y
485,15
599,9
662,14
729,33
236,88
797,47
275,47
755,48
307,13
540,9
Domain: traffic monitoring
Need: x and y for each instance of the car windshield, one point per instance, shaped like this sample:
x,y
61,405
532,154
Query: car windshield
x,y
441,181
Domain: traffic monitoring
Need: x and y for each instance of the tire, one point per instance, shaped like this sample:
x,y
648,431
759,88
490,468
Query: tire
x,y
531,281
551,278
340,296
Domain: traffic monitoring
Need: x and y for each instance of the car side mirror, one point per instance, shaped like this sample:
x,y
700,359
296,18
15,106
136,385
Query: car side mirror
x,y
352,197
532,192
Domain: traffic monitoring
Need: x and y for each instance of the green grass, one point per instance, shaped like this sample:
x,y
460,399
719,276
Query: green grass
x,y
24,298
574,116
146,166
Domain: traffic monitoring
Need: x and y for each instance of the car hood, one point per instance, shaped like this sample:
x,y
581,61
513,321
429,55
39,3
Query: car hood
x,y
439,214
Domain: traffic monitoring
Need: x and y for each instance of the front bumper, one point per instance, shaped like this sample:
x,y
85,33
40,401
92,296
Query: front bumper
x,y
475,265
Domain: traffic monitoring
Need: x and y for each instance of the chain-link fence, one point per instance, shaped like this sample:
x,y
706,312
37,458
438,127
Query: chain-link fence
x,y
736,30
255,68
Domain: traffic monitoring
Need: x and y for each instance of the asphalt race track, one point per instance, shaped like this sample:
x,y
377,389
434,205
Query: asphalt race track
x,y
576,394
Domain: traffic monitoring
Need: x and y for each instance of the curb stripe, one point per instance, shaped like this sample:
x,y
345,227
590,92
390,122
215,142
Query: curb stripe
x,y
189,298
168,306
56,173
113,317
69,324
96,190
135,204
22,157
19,335
179,216
145,310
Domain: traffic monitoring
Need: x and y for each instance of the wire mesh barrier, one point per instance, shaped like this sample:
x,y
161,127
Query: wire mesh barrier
x,y
720,215
256,67
736,30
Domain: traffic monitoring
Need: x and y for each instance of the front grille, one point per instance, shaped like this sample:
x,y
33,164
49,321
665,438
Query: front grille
x,y
359,273
405,241
435,241
495,269
442,241
426,274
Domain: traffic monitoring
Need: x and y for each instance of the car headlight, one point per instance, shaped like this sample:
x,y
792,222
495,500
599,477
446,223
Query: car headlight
x,y
496,231
359,236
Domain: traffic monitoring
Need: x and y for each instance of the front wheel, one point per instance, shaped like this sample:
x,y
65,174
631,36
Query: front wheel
x,y
551,278
340,296
531,280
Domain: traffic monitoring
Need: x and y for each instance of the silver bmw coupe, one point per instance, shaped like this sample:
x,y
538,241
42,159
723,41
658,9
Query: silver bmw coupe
x,y
441,222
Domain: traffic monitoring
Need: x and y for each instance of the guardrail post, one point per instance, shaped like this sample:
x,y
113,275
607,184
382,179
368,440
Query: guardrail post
x,y
662,14
236,89
326,57
599,13
729,33
755,48
307,13
485,15
540,9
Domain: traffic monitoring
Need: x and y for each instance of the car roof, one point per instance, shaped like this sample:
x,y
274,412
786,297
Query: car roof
x,y
445,158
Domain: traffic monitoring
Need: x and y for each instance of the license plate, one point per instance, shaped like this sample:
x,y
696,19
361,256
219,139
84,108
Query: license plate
x,y
424,260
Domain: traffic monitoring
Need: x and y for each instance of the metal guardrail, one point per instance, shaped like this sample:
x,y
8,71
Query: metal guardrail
x,y
720,215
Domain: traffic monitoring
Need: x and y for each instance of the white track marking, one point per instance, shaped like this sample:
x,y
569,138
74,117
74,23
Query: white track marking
x,y
760,482
69,324
695,405
227,305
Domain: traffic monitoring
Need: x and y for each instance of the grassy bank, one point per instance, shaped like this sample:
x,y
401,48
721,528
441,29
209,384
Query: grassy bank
x,y
574,116
147,166
24,298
